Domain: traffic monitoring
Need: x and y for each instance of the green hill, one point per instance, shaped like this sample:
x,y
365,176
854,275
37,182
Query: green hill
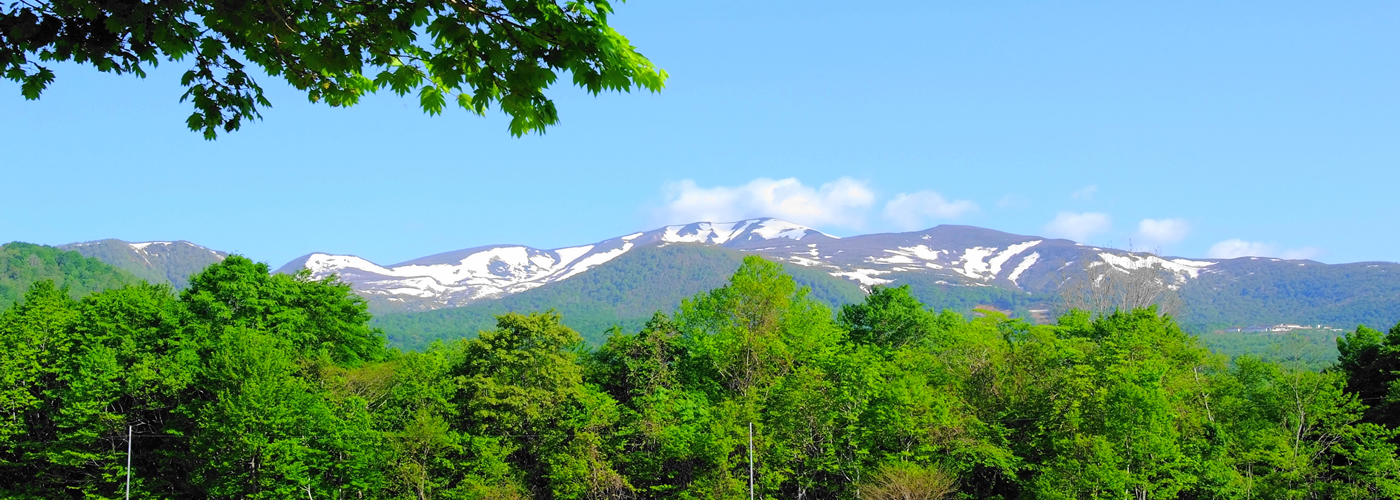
x,y
170,262
625,292
1259,291
22,264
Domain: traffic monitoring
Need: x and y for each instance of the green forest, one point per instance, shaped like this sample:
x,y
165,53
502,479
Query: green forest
x,y
249,384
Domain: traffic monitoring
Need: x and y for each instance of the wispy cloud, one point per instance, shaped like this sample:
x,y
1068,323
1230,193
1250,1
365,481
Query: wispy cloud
x,y
1078,227
1085,194
1013,201
1301,253
843,202
1235,248
1163,231
915,210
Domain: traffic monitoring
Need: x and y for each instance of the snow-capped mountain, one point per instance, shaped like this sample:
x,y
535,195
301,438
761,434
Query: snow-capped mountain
x,y
945,266
956,255
967,255
464,276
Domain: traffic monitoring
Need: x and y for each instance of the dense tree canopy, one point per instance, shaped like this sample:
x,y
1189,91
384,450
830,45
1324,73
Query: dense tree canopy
x,y
252,385
475,53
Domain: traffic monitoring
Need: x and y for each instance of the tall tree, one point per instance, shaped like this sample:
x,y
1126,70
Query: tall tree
x,y
1371,361
316,317
522,397
892,317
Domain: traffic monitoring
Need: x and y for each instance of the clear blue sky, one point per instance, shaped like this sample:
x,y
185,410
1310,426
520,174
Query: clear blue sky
x,y
1237,127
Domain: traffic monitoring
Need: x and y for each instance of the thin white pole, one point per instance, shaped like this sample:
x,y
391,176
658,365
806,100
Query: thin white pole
x,y
128,462
750,460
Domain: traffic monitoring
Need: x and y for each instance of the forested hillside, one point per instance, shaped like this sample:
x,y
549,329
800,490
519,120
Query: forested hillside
x,y
271,386
624,292
22,264
170,262
940,295
1259,291
1306,349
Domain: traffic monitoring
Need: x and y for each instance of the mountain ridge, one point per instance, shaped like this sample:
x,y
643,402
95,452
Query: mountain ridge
x,y
168,262
459,277
960,255
623,292
955,267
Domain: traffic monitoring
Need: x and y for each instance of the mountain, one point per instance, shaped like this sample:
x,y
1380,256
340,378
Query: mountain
x,y
22,264
1263,291
950,266
944,255
623,280
171,262
962,255
455,279
624,291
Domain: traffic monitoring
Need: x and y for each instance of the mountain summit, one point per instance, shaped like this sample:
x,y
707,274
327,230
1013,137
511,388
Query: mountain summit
x,y
460,277
954,255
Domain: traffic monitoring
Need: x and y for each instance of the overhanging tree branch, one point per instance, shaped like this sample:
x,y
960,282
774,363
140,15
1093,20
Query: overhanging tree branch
x,y
503,53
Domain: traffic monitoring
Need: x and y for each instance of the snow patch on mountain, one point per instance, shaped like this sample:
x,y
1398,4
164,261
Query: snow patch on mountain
x,y
704,232
773,228
322,264
596,259
897,258
721,233
456,278
995,264
922,252
1025,264
142,245
973,267
803,261
1182,268
866,277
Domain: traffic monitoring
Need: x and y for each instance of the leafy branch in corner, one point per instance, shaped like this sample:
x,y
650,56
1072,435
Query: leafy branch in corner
x,y
482,53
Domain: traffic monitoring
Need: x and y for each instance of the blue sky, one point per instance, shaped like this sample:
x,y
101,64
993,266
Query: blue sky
x,y
1192,128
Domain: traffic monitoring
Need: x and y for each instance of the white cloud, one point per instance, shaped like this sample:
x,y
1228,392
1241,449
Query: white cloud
x,y
1163,231
1078,227
1085,194
843,202
1235,248
912,210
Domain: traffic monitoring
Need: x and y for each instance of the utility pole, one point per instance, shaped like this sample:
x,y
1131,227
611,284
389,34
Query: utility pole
x,y
750,460
128,462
